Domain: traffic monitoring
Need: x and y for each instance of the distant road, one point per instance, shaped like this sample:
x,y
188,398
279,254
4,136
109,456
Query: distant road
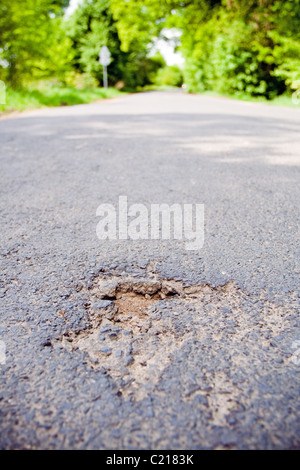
x,y
123,344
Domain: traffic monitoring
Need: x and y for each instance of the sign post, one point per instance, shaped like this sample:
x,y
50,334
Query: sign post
x,y
105,60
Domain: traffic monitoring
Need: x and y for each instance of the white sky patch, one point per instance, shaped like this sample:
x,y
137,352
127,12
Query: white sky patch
x,y
72,7
165,46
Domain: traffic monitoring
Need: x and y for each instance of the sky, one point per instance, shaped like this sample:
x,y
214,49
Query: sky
x,y
166,48
72,7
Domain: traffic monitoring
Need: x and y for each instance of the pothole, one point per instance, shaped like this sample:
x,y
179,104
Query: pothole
x,y
137,325
131,332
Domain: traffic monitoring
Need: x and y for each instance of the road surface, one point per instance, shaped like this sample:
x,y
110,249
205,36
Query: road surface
x,y
143,344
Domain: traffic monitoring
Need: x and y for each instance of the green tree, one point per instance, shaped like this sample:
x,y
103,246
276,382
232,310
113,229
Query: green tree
x,y
242,46
231,46
32,43
170,75
246,46
93,25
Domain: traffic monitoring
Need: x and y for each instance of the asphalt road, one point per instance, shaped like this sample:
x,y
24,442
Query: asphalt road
x,y
142,344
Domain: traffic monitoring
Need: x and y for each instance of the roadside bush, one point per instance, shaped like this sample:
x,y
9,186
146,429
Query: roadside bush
x,y
170,76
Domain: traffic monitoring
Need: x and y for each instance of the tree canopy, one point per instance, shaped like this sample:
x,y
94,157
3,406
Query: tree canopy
x,y
92,26
230,46
32,42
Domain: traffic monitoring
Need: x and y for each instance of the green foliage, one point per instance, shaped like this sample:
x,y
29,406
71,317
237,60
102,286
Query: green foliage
x,y
246,47
169,76
242,47
52,95
32,43
226,59
154,65
230,46
287,55
92,26
138,21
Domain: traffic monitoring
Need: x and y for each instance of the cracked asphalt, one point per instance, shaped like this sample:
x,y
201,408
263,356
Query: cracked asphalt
x,y
213,364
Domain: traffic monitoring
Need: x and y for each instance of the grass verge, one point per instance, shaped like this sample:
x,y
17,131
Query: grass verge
x,y
20,100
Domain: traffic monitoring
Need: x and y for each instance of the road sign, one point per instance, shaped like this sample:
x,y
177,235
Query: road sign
x,y
105,60
104,56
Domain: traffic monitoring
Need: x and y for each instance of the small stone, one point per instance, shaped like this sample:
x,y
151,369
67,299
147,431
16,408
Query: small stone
x,y
149,413
127,360
108,289
113,335
230,420
126,332
106,351
101,304
201,400
146,286
105,329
